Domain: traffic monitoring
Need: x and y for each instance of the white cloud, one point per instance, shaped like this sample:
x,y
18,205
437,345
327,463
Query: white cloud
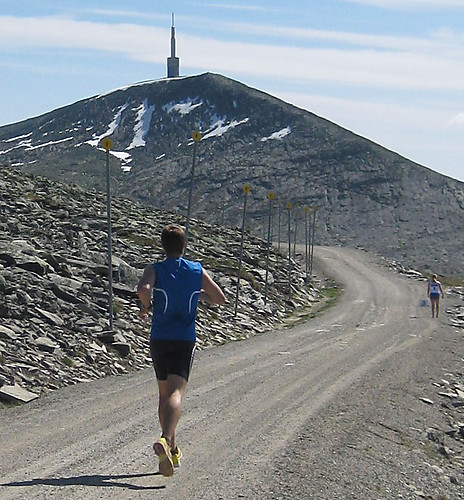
x,y
234,6
407,65
381,69
437,42
458,120
132,40
126,14
408,4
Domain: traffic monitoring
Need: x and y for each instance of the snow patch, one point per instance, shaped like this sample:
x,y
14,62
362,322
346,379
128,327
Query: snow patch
x,y
219,128
125,159
126,87
141,84
23,144
183,107
144,114
17,138
49,143
111,127
277,135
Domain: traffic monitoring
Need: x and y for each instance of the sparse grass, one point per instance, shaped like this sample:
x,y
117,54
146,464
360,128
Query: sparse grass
x,y
33,197
7,404
140,240
447,280
328,298
69,362
2,359
331,293
251,279
226,266
117,307
452,281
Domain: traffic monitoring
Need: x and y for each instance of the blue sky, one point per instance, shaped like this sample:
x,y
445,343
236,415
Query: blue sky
x,y
391,71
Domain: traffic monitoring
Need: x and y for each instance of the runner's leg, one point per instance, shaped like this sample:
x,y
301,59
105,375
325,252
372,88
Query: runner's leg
x,y
433,302
171,393
163,396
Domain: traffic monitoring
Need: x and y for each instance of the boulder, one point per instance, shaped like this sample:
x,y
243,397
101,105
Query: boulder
x,y
7,333
16,394
35,265
50,317
124,348
46,344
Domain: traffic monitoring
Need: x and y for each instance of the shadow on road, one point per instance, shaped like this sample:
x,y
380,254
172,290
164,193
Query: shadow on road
x,y
95,480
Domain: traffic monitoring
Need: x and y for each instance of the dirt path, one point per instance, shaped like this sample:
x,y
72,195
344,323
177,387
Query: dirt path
x,y
329,409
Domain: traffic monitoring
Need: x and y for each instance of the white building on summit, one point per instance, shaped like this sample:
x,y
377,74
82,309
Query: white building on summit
x,y
173,61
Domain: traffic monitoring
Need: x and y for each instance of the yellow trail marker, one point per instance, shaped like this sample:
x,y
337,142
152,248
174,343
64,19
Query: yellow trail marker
x,y
246,189
107,143
196,136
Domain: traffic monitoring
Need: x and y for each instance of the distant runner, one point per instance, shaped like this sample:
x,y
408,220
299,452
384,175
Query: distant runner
x,y
433,292
176,285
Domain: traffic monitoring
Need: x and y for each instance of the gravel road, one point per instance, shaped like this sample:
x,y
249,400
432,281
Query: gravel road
x,y
330,409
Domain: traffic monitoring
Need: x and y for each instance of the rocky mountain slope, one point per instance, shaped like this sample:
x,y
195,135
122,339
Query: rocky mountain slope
x,y
54,287
367,196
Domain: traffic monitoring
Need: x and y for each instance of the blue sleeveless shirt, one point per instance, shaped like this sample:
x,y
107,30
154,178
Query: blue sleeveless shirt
x,y
175,299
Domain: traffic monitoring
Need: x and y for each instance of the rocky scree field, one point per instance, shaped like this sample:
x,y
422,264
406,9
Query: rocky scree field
x,y
54,293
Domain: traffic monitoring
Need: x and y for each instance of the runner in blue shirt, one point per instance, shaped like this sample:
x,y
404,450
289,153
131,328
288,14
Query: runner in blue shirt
x,y
171,290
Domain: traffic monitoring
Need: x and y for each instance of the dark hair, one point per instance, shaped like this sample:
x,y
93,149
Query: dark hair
x,y
173,240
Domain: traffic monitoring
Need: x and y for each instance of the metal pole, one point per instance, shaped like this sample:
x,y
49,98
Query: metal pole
x,y
264,220
296,230
196,138
289,207
310,211
110,263
306,242
273,226
271,197
278,241
246,190
312,242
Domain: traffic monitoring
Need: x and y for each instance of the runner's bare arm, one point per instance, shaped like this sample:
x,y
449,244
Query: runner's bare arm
x,y
145,286
211,292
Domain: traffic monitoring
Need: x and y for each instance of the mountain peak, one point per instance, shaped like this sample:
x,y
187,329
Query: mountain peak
x,y
248,136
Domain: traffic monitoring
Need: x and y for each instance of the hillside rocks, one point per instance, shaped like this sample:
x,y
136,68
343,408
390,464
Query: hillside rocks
x,y
447,442
53,284
456,312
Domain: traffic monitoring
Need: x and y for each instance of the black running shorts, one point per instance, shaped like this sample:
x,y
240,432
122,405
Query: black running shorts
x,y
172,357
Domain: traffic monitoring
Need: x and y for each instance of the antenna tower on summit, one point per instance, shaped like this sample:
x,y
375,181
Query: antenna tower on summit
x,y
173,61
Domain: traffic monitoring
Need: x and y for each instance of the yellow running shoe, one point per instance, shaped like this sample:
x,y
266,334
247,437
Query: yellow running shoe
x,y
161,448
176,455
